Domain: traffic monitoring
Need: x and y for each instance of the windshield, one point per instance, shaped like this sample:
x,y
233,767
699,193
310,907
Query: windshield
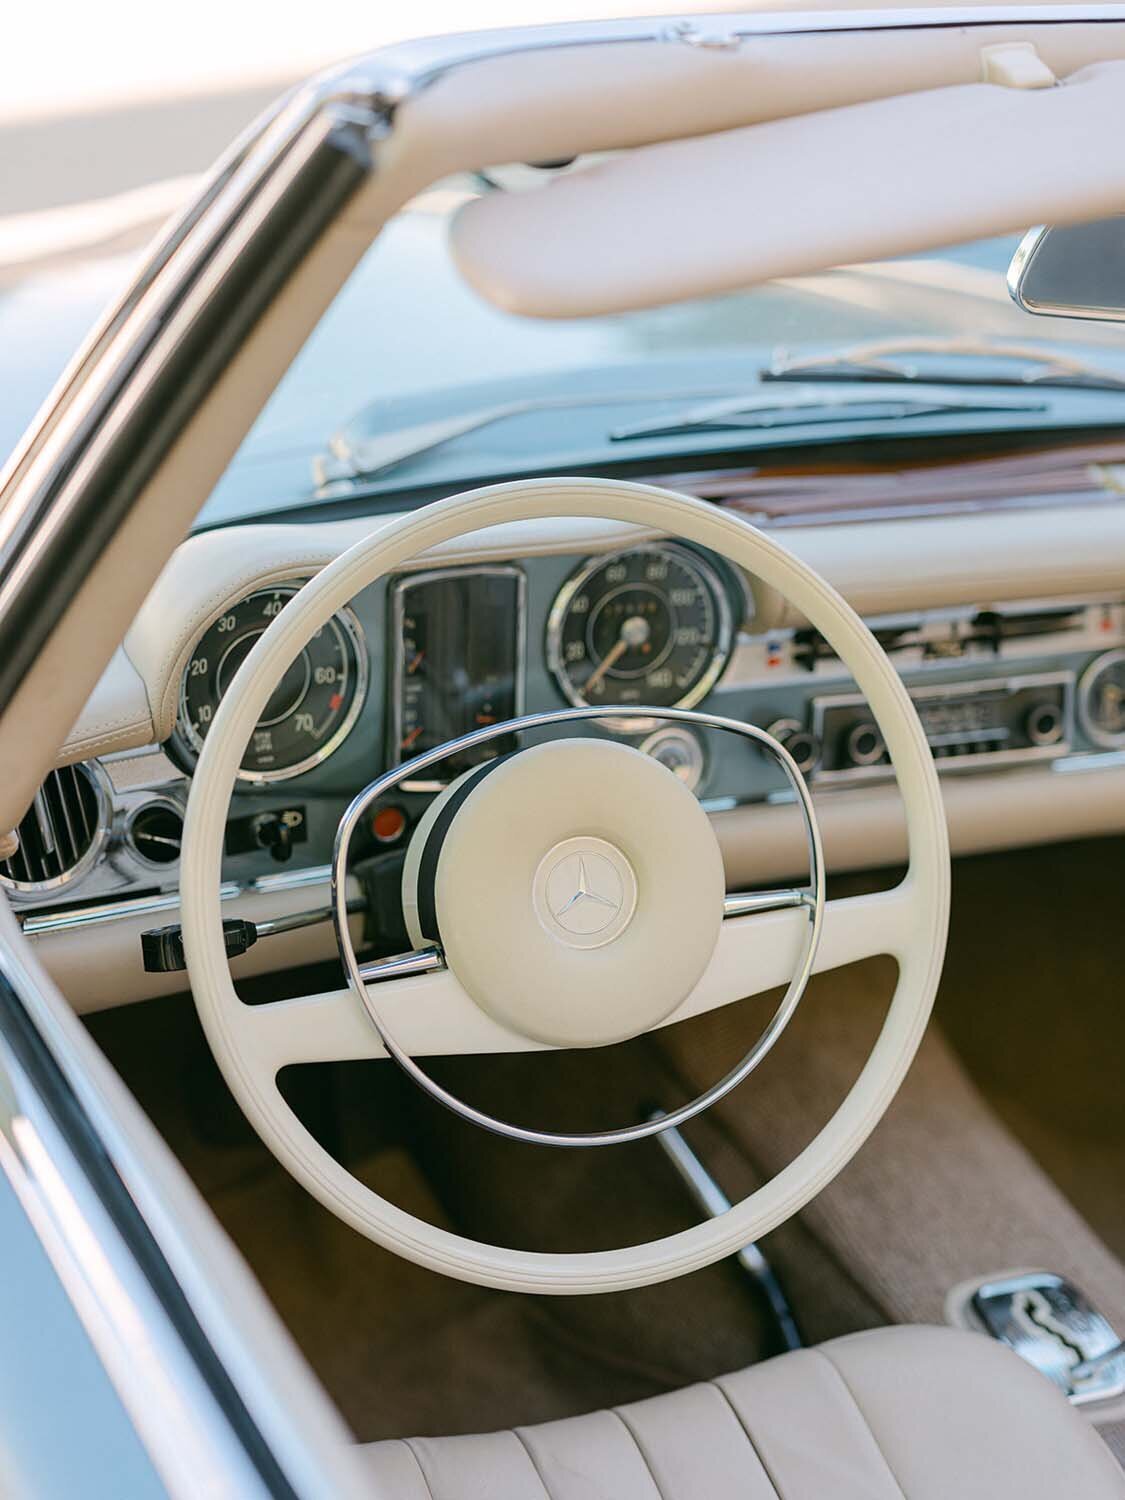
x,y
407,344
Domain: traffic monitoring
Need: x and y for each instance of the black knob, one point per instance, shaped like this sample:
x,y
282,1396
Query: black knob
x,y
1044,724
802,745
274,833
864,745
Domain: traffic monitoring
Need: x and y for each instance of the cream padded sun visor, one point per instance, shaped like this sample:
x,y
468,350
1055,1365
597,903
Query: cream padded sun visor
x,y
694,217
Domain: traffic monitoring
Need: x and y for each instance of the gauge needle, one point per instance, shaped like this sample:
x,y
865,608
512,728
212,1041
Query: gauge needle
x,y
411,737
634,632
607,661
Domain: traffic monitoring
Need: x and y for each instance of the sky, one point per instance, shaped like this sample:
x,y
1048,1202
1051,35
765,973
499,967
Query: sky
x,y
73,56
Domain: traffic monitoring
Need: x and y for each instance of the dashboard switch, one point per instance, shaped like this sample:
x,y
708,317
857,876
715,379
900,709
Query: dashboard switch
x,y
277,830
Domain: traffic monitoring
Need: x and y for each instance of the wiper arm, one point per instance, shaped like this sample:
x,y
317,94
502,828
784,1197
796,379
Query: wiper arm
x,y
383,451
887,360
806,408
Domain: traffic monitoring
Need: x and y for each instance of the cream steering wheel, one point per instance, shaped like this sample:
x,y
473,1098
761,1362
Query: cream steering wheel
x,y
497,968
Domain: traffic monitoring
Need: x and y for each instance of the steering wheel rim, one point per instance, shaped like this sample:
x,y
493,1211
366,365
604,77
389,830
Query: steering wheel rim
x,y
914,916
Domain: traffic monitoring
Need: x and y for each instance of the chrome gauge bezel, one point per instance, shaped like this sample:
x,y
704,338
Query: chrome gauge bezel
x,y
1090,674
190,744
724,621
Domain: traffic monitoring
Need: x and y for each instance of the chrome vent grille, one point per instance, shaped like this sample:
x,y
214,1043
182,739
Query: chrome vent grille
x,y
61,832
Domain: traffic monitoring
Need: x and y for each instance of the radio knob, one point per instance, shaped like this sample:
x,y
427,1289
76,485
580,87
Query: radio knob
x,y
1044,724
865,745
803,746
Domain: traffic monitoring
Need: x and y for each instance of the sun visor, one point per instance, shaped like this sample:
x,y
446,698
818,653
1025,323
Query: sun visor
x,y
715,213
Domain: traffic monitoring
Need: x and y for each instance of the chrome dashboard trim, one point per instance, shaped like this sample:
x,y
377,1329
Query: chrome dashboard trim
x,y
37,924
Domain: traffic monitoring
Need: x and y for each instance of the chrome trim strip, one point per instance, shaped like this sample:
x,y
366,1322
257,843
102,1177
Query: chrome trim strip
x,y
1097,760
35,924
745,903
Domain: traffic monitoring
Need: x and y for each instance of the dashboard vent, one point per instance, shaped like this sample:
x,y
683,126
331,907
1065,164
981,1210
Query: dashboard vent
x,y
61,831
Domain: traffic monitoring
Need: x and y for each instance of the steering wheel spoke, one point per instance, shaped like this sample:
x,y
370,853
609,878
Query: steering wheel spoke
x,y
762,951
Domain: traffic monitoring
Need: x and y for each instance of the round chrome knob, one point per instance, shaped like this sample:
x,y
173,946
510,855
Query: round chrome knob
x,y
802,745
1044,724
864,745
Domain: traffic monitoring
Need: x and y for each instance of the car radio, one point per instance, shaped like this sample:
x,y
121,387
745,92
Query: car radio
x,y
1001,720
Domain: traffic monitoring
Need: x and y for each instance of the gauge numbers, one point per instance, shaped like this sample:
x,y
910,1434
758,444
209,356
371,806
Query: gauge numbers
x,y
311,709
651,626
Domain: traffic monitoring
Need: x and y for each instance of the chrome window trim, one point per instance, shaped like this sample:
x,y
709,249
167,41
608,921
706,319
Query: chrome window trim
x,y
162,1246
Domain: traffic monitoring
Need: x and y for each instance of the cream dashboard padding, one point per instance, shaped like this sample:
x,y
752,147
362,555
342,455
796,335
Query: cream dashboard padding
x,y
893,1414
691,218
879,566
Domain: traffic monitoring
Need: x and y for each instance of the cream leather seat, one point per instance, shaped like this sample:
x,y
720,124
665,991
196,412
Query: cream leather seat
x,y
895,1414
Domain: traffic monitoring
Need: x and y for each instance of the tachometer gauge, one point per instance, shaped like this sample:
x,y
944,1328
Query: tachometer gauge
x,y
310,710
648,626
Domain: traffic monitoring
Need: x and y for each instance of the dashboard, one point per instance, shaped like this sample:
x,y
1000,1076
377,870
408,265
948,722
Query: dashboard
x,y
459,643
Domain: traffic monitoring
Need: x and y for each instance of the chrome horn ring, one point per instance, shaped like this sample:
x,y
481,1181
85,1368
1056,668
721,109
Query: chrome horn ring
x,y
363,976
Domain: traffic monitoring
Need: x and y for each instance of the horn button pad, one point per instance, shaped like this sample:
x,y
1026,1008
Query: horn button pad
x,y
579,892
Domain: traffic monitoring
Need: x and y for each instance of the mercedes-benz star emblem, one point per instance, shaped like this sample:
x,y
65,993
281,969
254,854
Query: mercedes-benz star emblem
x,y
585,892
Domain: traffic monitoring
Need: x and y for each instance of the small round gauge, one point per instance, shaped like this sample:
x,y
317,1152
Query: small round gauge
x,y
1101,700
679,751
311,709
647,626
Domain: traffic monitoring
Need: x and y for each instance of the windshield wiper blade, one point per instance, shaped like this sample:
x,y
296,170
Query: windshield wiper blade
x,y
888,361
807,408
383,451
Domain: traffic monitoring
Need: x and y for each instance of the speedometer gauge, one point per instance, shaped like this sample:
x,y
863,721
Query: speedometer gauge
x,y
311,709
651,626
